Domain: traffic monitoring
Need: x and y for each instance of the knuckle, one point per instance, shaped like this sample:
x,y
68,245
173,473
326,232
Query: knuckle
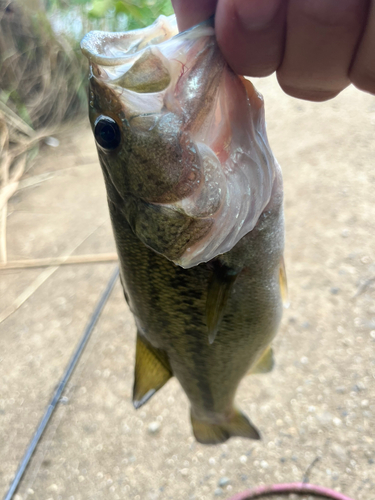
x,y
333,13
262,71
255,69
308,91
364,79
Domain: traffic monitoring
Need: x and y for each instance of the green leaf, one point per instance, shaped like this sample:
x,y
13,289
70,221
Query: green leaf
x,y
100,8
130,10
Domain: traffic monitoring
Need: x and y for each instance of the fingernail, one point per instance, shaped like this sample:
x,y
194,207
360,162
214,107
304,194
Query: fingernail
x,y
256,14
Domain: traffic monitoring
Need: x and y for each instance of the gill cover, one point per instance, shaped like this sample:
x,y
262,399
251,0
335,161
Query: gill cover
x,y
193,152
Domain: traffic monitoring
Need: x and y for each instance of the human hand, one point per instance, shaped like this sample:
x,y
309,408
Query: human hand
x,y
317,47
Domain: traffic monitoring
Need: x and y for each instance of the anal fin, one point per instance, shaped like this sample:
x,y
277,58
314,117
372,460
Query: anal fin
x,y
265,363
152,371
218,293
283,284
210,433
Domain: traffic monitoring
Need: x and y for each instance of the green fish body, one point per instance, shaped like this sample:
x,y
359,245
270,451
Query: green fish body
x,y
195,198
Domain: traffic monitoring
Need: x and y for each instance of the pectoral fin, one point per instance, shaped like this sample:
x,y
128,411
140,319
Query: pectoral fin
x,y
238,425
283,283
265,363
152,371
218,293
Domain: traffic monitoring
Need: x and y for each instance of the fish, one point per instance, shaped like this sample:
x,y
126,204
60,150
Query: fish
x,y
195,198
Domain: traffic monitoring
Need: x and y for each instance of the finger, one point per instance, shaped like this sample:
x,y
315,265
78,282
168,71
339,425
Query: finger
x,y
191,12
250,34
362,73
320,42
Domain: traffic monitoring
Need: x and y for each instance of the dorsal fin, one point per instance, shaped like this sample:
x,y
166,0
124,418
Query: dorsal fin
x,y
218,293
152,371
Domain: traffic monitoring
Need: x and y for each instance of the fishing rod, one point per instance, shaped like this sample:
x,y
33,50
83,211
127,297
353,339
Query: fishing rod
x,y
60,388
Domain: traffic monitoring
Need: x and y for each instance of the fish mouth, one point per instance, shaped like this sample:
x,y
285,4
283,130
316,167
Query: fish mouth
x,y
213,120
131,61
114,49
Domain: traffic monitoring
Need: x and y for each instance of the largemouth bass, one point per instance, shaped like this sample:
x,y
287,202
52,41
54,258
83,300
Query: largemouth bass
x,y
195,198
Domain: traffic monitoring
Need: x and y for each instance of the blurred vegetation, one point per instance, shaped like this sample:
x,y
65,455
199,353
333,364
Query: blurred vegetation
x,y
43,76
108,15
42,73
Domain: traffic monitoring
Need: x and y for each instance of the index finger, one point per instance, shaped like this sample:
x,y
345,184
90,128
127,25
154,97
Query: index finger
x,y
250,33
189,13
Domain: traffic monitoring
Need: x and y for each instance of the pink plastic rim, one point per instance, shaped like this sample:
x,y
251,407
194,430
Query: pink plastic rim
x,y
289,488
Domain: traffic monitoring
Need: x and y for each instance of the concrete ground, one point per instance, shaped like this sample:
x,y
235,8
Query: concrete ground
x,y
318,403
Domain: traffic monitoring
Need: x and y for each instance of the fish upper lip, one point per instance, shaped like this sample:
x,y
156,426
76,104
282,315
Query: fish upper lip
x,y
113,49
93,47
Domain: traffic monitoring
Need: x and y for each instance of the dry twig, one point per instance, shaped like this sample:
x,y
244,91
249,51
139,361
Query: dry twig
x,y
58,261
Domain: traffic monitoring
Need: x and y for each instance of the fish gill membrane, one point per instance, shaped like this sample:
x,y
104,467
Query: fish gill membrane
x,y
181,139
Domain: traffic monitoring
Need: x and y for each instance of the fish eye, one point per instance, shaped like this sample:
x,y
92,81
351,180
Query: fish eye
x,y
107,133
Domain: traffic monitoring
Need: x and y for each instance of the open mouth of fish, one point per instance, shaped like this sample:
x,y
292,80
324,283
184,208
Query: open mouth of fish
x,y
208,161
